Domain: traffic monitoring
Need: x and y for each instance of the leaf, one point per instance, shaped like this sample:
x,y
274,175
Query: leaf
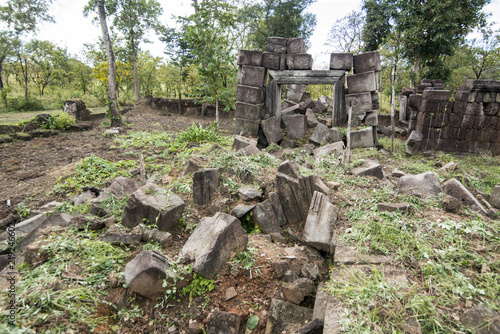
x,y
252,322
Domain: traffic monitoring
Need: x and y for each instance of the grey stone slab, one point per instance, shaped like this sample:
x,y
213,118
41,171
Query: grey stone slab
x,y
213,242
319,135
341,61
271,60
30,224
371,118
320,223
349,255
264,216
481,320
413,143
248,94
205,183
293,95
334,135
249,57
296,45
360,102
249,111
286,317
241,142
363,82
249,194
367,62
362,138
278,209
393,207
272,130
254,76
195,164
55,219
247,128
311,184
152,204
146,272
300,61
296,126
241,210
320,302
456,189
334,148
291,198
371,168
440,95
425,184
312,121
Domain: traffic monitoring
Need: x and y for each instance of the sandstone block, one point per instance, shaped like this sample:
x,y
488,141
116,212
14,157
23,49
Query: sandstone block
x,y
341,61
366,62
249,57
320,223
363,82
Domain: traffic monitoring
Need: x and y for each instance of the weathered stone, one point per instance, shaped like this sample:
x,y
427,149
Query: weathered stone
x,y
291,197
83,198
413,143
163,238
146,272
289,168
348,255
293,95
82,222
363,82
249,94
341,61
242,210
214,241
77,109
196,163
425,184
320,302
249,194
249,111
456,189
152,204
482,320
223,323
449,167
296,126
441,95
320,106
30,224
277,237
362,138
249,57
249,150
319,135
264,216
55,219
495,197
242,142
278,209
271,60
247,127
307,104
336,148
367,62
312,121
320,223
230,294
277,44
299,61
372,168
334,135
371,118
393,207
296,45
205,182
360,102
115,236
272,130
254,76
121,188
310,184
296,291
286,317
451,204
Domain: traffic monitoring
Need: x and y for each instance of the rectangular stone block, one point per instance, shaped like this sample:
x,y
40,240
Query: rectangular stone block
x,y
494,136
442,95
299,61
249,111
363,82
461,95
296,126
360,102
459,107
492,109
491,122
341,61
371,118
462,146
296,45
249,57
484,135
471,134
461,132
489,97
272,130
362,138
468,121
248,94
254,76
414,101
479,121
473,109
437,120
293,95
422,87
271,60
366,62
321,107
288,104
277,44
247,128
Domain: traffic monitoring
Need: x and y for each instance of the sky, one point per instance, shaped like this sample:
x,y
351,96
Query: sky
x,y
72,29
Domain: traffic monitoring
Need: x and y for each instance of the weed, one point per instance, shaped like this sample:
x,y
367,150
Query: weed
x,y
200,286
144,139
22,210
198,134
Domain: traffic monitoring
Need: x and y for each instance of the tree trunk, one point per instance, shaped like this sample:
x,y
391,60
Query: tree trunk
x,y
180,93
134,61
393,97
1,68
415,68
116,119
24,70
346,159
196,7
217,114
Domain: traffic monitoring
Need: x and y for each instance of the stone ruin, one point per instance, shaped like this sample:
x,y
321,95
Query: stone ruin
x,y
261,113
469,124
77,109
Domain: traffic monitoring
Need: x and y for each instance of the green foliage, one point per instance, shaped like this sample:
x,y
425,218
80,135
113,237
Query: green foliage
x,y
58,121
200,286
245,259
144,139
248,223
95,172
22,210
198,134
252,322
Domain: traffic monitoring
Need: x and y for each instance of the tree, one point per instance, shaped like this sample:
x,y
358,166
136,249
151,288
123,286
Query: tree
x,y
133,18
429,30
345,34
283,18
206,35
98,5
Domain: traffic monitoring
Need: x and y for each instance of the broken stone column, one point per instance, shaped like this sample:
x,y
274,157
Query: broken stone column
x,y
290,193
205,182
151,204
320,223
264,216
77,109
146,272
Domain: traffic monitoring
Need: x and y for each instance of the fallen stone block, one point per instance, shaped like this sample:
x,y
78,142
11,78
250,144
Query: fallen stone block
x,y
205,183
249,57
367,62
363,82
241,210
249,194
362,138
30,224
348,255
55,219
293,95
456,189
425,184
290,194
451,204
296,291
264,216
319,135
320,223
320,302
495,197
336,148
310,184
372,168
272,130
393,207
214,241
296,126
371,118
482,320
152,204
341,61
115,236
146,272
249,150
223,323
278,209
321,107
334,135
413,143
286,317
312,121
242,142
196,163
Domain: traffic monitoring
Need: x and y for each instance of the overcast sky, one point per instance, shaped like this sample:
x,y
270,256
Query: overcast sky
x,y
72,29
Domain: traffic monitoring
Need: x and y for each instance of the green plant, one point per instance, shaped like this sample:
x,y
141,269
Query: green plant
x,y
22,210
198,134
200,286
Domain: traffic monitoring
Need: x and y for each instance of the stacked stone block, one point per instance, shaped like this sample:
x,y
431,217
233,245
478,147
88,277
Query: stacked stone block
x,y
409,106
470,124
250,92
